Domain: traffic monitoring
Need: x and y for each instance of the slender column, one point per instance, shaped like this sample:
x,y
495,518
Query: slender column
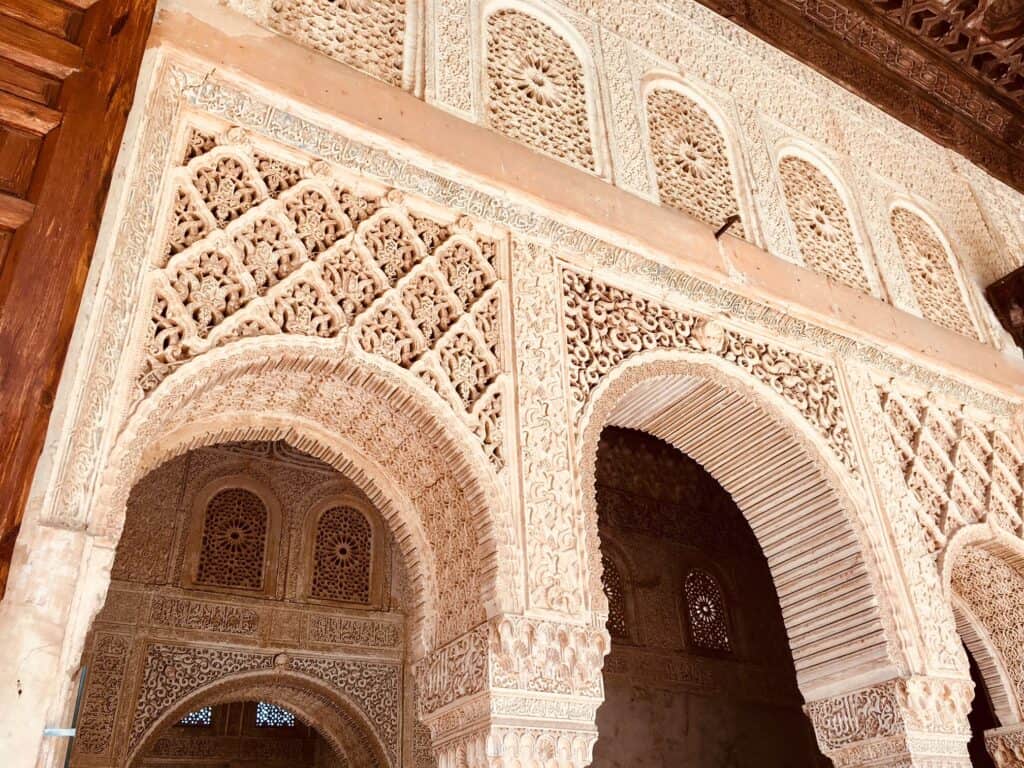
x,y
914,721
1006,745
515,691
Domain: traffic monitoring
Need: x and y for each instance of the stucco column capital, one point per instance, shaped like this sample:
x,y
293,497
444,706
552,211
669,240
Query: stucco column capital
x,y
912,721
516,690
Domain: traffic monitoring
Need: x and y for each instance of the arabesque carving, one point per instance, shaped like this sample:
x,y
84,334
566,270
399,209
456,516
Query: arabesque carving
x,y
607,325
290,247
537,88
962,466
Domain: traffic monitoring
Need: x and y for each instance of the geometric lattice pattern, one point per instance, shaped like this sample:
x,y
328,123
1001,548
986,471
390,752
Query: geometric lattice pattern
x,y
258,245
536,89
614,590
962,470
822,223
368,35
691,159
272,716
343,556
234,540
705,612
931,274
200,718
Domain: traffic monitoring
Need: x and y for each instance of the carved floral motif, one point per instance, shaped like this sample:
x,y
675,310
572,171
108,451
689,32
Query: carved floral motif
x,y
296,250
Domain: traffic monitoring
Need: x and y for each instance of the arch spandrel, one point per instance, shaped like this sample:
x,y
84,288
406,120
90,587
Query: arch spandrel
x,y
412,460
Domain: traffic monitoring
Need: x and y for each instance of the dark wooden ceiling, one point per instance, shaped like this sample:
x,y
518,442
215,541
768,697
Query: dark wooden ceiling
x,y
952,69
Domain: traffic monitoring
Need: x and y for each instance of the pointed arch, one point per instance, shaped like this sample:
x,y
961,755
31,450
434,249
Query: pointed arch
x,y
697,161
936,276
540,84
792,491
824,217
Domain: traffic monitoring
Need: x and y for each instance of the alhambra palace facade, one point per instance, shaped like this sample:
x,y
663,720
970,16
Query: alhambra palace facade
x,y
523,384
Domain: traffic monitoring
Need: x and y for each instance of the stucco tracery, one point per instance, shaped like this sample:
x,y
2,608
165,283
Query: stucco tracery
x,y
454,346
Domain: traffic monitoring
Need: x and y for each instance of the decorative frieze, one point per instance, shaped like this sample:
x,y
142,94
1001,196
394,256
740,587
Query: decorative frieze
x,y
185,613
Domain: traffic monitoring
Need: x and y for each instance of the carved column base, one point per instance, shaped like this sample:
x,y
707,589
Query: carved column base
x,y
917,721
1006,745
515,691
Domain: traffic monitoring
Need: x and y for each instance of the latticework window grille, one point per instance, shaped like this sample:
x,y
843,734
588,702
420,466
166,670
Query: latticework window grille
x,y
931,274
822,222
272,716
705,611
234,541
342,556
536,88
691,159
614,589
201,718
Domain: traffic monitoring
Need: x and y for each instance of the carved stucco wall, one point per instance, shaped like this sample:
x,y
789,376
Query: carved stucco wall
x,y
307,294
161,638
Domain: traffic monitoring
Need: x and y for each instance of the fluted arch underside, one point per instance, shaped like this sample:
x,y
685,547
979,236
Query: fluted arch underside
x,y
793,505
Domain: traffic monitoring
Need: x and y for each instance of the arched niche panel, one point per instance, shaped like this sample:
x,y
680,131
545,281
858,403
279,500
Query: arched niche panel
x,y
822,219
934,275
344,554
540,85
691,155
233,537
378,37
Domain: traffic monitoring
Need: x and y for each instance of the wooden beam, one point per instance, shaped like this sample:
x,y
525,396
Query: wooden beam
x,y
44,273
50,16
38,50
27,115
14,211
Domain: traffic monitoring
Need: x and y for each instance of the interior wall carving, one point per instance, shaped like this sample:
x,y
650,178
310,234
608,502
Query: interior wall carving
x,y
691,158
963,465
171,630
405,324
822,222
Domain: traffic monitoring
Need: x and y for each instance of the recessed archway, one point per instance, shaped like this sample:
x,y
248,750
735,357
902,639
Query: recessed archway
x,y
799,505
322,707
415,462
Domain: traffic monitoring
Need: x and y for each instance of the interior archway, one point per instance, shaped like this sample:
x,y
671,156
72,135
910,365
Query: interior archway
x,y
983,574
350,739
795,500
700,672
209,603
415,462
